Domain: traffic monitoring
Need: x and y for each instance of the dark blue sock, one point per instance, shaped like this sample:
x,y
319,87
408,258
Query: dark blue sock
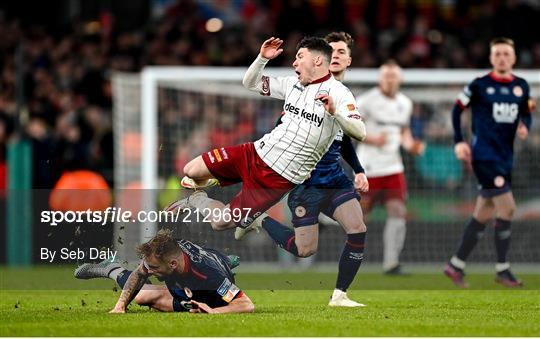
x,y
350,260
502,238
282,235
473,231
122,278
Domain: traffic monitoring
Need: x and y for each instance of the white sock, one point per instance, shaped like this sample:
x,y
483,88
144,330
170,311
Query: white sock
x,y
501,266
393,241
455,261
116,272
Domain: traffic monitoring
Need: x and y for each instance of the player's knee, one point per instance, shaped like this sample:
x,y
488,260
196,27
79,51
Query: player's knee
x,y
144,299
306,251
359,227
508,211
189,169
397,210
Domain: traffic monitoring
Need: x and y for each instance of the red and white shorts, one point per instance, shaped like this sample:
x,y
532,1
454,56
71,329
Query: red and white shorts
x,y
382,189
262,187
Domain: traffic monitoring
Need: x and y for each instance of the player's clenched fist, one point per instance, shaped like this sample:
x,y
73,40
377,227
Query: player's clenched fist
x,y
463,151
328,103
270,49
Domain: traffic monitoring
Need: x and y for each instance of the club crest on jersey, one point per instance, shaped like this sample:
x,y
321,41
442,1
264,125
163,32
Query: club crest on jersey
x,y
319,93
499,181
518,91
490,90
300,211
265,85
188,292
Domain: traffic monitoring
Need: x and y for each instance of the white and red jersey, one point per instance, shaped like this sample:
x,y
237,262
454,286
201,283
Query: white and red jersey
x,y
388,116
294,147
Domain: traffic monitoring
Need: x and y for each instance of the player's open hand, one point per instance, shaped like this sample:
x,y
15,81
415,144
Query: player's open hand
x,y
522,131
199,307
270,49
328,103
361,182
463,152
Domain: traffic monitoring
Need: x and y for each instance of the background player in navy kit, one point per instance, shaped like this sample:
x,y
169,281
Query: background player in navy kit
x,y
197,279
500,106
328,190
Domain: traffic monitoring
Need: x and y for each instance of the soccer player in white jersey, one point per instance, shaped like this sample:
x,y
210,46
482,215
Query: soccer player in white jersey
x,y
386,113
316,107
328,191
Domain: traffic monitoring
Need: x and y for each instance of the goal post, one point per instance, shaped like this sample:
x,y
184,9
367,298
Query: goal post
x,y
165,116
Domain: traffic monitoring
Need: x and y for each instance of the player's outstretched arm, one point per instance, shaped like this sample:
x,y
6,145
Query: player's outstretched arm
x,y
133,285
270,49
239,305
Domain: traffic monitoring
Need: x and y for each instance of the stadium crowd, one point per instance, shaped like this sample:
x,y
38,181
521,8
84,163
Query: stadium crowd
x,y
67,70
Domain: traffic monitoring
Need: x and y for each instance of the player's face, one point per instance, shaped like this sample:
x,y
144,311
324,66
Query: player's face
x,y
304,65
502,58
341,57
159,268
390,79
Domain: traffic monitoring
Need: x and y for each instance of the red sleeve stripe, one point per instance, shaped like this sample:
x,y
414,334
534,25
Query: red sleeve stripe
x,y
239,295
460,104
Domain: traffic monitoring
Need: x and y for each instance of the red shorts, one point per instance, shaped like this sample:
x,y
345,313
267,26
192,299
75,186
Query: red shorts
x,y
262,187
382,189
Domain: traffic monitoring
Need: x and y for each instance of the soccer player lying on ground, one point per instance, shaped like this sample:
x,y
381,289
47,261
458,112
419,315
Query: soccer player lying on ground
x,y
316,107
198,280
500,106
328,191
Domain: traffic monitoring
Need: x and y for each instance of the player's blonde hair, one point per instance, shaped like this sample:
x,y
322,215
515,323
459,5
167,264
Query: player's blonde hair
x,y
161,246
502,40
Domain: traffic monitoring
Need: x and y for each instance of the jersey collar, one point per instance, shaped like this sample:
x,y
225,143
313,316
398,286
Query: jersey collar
x,y
493,76
324,78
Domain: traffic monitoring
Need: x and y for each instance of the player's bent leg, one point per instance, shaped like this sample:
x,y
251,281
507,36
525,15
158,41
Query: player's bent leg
x,y
156,297
307,240
197,170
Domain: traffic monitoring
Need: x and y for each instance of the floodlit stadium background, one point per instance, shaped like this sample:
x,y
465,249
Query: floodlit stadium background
x,y
71,98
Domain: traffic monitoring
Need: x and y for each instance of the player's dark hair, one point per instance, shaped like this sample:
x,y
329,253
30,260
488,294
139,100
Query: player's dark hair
x,y
501,40
318,45
160,246
341,36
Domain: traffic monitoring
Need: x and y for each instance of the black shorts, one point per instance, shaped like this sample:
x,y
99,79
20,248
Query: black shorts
x,y
306,202
494,178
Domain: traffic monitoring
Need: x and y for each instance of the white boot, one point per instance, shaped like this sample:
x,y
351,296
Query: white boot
x,y
340,299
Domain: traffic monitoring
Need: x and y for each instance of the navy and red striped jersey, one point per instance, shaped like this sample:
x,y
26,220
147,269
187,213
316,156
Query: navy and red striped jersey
x,y
207,277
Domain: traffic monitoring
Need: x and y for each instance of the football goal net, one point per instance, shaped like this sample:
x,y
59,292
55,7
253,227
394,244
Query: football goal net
x,y
166,116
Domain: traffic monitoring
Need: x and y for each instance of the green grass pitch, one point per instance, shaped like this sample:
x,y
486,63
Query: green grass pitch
x,y
49,302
